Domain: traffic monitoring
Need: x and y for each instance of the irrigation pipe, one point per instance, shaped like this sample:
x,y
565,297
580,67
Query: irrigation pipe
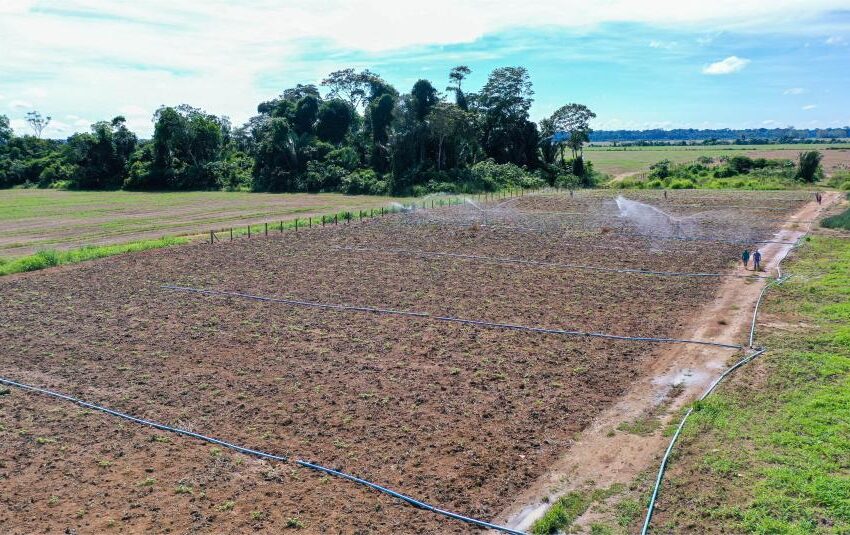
x,y
779,280
257,453
507,260
669,450
614,236
449,319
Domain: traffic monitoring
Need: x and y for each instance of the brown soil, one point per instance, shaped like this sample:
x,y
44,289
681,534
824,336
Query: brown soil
x,y
604,455
460,416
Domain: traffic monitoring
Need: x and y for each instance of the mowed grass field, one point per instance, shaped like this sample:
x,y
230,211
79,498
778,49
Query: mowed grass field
x,y
621,160
32,220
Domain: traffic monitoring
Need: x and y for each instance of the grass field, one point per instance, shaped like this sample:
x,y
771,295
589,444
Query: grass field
x,y
32,219
769,452
620,160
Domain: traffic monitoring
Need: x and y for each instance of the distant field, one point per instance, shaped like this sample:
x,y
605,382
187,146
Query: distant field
x,y
49,219
619,160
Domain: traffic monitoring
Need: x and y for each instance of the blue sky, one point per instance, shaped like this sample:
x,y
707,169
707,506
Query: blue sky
x,y
638,64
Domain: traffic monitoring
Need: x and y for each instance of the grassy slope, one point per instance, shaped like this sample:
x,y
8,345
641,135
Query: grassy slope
x,y
770,451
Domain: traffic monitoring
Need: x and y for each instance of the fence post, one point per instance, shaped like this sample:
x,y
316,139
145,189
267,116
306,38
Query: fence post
x,y
267,229
296,224
336,219
323,220
310,222
231,233
249,231
211,236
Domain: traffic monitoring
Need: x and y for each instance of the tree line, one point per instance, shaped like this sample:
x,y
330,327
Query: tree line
x,y
747,136
358,134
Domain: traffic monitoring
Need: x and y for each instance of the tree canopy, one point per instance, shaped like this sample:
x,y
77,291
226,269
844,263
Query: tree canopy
x,y
356,132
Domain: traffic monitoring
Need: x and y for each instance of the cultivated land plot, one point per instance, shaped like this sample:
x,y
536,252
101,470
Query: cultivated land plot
x,y
617,161
49,219
461,416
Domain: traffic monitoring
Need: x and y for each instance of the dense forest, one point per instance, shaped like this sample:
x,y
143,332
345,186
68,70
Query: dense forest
x,y
750,136
358,134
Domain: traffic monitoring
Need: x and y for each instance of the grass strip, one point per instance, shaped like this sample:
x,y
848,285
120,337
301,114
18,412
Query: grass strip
x,y
50,258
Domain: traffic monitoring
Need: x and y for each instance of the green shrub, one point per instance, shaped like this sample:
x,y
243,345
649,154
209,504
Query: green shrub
x,y
493,176
364,182
839,221
682,184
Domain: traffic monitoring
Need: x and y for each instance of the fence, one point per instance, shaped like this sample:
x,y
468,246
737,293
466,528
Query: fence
x,y
346,217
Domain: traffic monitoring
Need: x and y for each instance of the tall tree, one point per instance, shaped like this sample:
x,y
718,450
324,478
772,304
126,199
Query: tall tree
x,y
444,120
457,76
808,166
574,120
349,85
335,120
424,98
37,122
306,114
507,135
6,131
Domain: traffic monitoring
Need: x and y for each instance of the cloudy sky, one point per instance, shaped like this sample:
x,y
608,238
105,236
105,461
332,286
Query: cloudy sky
x,y
637,63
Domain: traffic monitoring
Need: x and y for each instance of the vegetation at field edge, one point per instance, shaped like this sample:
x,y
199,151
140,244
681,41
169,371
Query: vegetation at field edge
x,y
768,453
50,258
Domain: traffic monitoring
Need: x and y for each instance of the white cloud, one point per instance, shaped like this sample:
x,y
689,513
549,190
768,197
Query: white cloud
x,y
20,105
808,107
666,45
729,65
36,92
835,40
794,91
215,53
769,122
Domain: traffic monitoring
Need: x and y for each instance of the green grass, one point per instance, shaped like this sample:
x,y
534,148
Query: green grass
x,y
46,259
568,508
772,454
839,221
34,219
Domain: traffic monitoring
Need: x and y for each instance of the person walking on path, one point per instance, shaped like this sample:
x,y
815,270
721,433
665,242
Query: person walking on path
x,y
818,197
745,257
757,260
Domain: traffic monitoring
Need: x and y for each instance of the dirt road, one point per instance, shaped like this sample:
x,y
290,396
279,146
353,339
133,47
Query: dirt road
x,y
605,456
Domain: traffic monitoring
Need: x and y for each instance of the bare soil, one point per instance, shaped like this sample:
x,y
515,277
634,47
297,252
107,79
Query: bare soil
x,y
604,454
461,416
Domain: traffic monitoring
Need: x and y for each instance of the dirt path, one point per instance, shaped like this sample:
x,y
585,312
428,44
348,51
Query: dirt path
x,y
604,456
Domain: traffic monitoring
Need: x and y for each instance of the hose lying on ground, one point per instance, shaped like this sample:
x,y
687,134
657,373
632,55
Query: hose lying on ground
x,y
257,453
426,315
740,363
507,260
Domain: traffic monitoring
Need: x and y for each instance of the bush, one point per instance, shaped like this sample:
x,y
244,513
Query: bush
x,y
682,184
839,221
364,182
58,171
493,176
322,176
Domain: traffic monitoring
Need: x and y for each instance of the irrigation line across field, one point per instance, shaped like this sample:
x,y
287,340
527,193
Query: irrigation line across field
x,y
448,319
507,260
662,468
258,453
615,236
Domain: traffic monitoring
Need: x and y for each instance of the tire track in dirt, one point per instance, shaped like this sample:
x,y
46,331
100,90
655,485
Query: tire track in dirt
x,y
605,458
